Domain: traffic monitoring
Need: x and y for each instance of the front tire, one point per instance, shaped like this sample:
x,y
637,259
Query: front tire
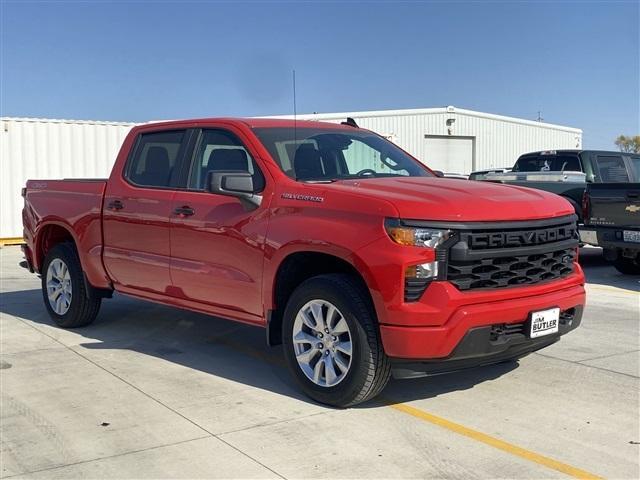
x,y
332,343
626,265
64,290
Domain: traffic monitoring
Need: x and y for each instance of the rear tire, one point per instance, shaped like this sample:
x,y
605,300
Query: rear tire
x,y
343,350
628,266
64,290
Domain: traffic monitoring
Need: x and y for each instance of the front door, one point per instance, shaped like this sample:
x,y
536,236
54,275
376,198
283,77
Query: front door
x,y
137,210
216,243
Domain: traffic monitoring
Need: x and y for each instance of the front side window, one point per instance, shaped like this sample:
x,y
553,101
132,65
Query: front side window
x,y
221,150
612,169
154,161
317,154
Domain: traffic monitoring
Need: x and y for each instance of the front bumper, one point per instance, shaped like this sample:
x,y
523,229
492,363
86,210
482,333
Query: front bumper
x,y
439,342
488,345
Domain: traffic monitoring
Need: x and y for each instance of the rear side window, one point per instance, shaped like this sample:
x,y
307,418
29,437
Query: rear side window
x,y
156,156
612,169
635,167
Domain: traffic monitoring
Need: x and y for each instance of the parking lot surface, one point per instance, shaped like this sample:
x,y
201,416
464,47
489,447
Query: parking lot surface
x,y
149,391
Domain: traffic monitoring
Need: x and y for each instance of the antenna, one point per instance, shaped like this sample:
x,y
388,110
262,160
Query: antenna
x,y
295,113
539,119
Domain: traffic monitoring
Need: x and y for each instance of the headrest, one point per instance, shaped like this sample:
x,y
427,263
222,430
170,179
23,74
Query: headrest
x,y
157,160
307,162
228,159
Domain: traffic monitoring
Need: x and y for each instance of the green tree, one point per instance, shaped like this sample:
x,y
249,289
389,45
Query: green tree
x,y
628,144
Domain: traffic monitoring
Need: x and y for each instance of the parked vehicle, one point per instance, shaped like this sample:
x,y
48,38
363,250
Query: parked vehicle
x,y
566,172
459,176
482,174
342,246
612,221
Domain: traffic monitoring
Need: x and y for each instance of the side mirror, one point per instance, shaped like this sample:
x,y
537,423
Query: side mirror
x,y
438,173
234,183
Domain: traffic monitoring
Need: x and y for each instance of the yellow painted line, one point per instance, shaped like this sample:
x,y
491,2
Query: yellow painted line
x,y
433,419
11,241
607,288
494,442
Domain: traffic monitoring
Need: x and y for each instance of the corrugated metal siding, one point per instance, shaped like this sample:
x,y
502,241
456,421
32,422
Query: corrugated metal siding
x,y
498,143
39,148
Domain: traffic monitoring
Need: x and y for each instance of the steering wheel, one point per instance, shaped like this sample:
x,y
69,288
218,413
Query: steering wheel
x,y
366,172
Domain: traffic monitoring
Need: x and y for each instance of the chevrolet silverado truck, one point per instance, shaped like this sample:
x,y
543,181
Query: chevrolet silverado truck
x,y
567,172
343,247
612,221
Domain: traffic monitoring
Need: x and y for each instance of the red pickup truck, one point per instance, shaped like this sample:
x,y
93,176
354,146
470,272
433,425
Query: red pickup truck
x,y
346,249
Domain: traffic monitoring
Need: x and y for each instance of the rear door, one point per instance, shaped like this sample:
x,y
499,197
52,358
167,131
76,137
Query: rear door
x,y
137,208
216,243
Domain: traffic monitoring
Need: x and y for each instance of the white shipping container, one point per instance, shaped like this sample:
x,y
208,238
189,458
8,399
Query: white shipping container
x,y
34,148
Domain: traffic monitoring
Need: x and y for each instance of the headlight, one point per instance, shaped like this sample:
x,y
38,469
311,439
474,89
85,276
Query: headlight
x,y
415,236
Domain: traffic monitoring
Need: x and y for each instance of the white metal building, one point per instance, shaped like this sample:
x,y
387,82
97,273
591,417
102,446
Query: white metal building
x,y
454,140
448,139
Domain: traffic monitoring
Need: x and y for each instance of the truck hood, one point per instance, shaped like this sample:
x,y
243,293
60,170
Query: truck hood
x,y
446,199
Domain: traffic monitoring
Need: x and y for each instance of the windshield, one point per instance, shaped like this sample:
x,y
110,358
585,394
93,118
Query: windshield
x,y
309,154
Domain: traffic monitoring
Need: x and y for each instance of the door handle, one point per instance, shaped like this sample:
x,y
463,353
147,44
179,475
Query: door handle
x,y
184,211
115,205
633,194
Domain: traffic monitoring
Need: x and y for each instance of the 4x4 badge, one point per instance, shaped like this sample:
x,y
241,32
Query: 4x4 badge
x,y
632,208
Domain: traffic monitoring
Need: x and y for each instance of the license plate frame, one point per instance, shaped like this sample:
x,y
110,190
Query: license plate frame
x,y
631,236
544,322
590,237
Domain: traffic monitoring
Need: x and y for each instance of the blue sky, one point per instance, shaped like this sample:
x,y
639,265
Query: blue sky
x,y
577,62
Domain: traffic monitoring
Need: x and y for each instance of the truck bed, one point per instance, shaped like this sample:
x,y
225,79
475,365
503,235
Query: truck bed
x,y
74,203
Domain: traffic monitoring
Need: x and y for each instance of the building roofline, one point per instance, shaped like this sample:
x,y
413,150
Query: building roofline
x,y
426,111
61,120
340,115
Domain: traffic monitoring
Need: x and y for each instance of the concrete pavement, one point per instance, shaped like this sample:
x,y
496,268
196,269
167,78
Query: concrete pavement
x,y
153,392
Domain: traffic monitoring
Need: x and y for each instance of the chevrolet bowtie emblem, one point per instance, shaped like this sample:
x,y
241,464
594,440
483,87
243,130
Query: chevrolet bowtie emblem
x,y
632,208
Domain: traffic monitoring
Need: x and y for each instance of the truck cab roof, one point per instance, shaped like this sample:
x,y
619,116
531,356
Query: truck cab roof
x,y
251,123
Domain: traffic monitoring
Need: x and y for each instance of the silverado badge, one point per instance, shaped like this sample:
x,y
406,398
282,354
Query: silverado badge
x,y
632,208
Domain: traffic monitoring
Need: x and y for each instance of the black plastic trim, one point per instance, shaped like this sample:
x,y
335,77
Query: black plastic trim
x,y
480,347
461,252
545,222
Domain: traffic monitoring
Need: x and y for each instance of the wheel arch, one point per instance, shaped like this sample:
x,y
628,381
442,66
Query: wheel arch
x,y
296,267
48,236
575,205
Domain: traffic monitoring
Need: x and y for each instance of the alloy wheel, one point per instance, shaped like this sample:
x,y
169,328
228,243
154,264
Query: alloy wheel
x,y
322,343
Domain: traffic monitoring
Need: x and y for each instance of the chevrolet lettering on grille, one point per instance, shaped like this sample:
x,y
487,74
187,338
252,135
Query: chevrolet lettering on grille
x,y
520,238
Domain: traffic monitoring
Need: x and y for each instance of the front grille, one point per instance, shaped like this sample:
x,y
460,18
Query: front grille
x,y
511,271
526,253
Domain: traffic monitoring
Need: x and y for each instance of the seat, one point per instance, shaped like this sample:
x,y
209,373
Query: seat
x,y
228,159
225,159
157,168
307,163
